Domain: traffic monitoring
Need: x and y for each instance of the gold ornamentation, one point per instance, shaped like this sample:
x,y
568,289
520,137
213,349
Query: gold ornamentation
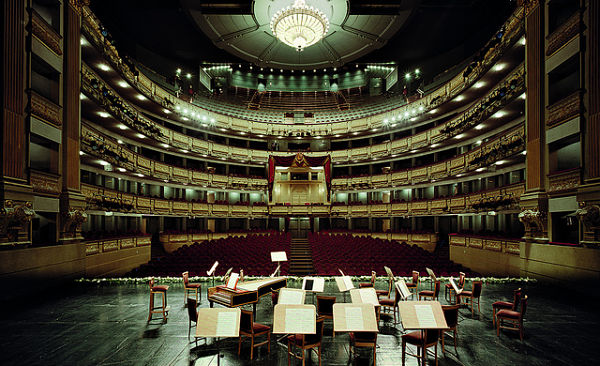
x,y
45,33
567,31
564,109
15,217
589,215
564,181
45,109
533,221
73,219
43,183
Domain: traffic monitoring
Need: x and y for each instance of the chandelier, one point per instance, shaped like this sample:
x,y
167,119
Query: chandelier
x,y
299,25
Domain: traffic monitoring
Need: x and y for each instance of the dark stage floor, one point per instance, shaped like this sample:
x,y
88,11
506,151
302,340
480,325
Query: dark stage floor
x,y
106,325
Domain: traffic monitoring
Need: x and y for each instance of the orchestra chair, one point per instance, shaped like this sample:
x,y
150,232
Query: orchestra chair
x,y
471,296
248,328
451,316
162,291
513,318
416,339
325,308
431,294
501,305
414,285
193,317
274,297
371,283
306,342
449,290
363,340
190,287
387,303
386,293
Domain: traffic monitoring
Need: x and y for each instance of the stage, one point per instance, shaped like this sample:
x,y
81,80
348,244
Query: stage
x,y
91,324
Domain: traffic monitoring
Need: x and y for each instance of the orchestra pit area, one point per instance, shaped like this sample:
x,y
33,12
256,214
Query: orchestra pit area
x,y
300,182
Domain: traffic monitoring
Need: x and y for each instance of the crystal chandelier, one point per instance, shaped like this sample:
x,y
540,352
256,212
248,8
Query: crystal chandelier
x,y
299,25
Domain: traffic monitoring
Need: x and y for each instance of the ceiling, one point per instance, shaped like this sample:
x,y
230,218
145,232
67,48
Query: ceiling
x,y
430,34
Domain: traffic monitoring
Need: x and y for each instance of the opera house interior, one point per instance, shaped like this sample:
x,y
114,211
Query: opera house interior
x,y
322,182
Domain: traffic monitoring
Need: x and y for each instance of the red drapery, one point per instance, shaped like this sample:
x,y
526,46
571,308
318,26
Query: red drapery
x,y
300,160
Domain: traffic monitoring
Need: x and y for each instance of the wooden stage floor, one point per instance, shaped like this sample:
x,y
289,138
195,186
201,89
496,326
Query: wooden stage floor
x,y
88,324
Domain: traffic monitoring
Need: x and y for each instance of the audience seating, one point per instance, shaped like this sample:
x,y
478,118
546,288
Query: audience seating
x,y
361,255
500,305
514,318
306,342
248,328
250,253
162,290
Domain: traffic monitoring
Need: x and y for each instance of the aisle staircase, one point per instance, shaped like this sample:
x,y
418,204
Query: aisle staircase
x,y
300,257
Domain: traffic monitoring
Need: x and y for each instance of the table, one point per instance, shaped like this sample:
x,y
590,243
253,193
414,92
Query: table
x,y
218,322
422,315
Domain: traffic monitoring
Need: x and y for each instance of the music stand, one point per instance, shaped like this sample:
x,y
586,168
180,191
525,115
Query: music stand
x,y
295,319
218,322
457,291
291,296
211,272
344,284
432,276
366,295
354,318
423,316
278,257
313,285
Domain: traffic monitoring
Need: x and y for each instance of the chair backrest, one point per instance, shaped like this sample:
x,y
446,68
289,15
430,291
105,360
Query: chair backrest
x,y
523,306
436,289
431,336
314,339
274,297
517,294
366,337
192,313
151,282
477,286
461,279
185,276
246,321
451,315
373,277
415,276
325,305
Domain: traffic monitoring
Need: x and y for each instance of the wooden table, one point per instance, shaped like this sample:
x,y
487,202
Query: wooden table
x,y
414,318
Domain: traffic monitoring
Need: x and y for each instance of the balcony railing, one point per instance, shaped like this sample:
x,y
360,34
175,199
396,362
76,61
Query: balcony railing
x,y
45,33
495,244
564,181
567,31
45,109
565,109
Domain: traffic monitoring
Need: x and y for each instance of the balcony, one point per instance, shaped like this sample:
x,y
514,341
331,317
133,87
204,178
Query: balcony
x,y
45,33
564,181
45,109
566,32
565,109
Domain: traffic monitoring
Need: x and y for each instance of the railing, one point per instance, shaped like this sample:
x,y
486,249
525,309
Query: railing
x,y
471,117
98,246
91,27
103,199
564,181
45,183
565,109
45,109
495,244
45,33
567,31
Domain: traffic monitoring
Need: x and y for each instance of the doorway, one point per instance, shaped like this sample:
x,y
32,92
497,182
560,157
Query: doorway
x,y
299,227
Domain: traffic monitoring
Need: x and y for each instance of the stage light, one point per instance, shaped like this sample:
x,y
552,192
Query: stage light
x,y
104,67
103,114
122,126
189,76
407,76
123,84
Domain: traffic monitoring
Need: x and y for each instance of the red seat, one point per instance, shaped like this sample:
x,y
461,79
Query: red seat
x,y
160,288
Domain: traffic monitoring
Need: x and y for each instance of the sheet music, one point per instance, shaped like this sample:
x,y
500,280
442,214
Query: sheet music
x,y
212,269
369,296
278,257
431,274
226,322
290,297
354,318
456,289
232,282
298,320
348,282
425,316
404,291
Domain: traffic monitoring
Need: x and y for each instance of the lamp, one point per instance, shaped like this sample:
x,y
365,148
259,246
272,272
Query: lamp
x,y
299,25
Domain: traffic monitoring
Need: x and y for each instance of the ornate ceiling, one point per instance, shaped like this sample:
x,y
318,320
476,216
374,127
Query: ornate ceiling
x,y
350,35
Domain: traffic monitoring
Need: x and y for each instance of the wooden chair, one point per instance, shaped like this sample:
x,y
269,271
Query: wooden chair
x,y
513,318
451,315
471,296
416,339
414,285
431,294
248,328
192,314
162,291
190,287
449,290
274,297
306,342
371,283
363,340
325,308
500,305
386,293
387,303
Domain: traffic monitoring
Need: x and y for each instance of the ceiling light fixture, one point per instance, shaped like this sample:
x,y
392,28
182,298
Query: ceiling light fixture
x,y
299,25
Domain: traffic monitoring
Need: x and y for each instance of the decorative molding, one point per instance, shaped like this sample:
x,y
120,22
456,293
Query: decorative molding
x,y
589,215
564,181
45,183
15,217
45,109
77,5
45,33
565,109
73,219
533,221
529,5
564,33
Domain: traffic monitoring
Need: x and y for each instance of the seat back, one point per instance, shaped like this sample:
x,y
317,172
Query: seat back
x,y
523,306
436,289
431,336
415,277
451,315
246,321
274,297
185,276
325,305
151,282
461,279
477,286
192,313
314,339
373,277
366,337
518,293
